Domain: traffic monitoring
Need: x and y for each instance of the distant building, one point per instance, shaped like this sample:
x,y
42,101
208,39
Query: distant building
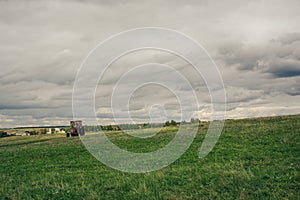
x,y
20,134
55,130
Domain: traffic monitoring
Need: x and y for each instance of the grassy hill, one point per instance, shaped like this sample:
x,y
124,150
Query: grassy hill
x,y
253,159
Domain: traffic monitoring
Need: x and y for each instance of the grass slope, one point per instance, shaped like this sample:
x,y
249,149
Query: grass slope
x,y
253,159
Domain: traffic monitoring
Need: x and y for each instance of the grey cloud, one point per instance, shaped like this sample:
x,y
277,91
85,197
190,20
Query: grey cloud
x,y
42,44
289,38
239,95
280,57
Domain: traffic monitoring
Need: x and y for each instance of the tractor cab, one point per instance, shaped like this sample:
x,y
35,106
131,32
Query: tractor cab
x,y
76,128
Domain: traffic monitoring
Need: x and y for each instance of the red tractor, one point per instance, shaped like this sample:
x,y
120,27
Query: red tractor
x,y
76,128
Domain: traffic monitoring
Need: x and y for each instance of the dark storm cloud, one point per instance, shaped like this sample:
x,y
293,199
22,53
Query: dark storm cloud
x,y
280,57
288,71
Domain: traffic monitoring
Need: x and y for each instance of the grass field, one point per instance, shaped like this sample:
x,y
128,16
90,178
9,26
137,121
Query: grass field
x,y
253,159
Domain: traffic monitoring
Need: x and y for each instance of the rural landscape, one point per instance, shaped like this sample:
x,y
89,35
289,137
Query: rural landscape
x,y
254,159
152,99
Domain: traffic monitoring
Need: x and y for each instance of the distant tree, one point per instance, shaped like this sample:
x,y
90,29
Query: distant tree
x,y
173,123
33,132
167,123
116,128
43,131
145,125
3,134
109,128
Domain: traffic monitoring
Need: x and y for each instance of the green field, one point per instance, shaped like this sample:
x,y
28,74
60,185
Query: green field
x,y
253,159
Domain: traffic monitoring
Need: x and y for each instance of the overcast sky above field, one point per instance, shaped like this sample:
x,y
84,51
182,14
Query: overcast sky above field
x,y
255,44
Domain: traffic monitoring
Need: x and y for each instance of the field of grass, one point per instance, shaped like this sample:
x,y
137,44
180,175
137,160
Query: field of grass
x,y
253,159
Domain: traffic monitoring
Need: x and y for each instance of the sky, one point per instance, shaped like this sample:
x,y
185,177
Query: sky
x,y
255,44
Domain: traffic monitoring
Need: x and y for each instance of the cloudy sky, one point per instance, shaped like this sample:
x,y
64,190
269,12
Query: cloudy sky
x,y
255,44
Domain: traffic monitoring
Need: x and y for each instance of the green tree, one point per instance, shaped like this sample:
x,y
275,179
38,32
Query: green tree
x,y
109,128
43,131
3,134
167,123
173,123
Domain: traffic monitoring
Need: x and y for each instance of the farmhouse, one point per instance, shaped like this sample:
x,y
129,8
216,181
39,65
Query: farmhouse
x,y
20,134
55,130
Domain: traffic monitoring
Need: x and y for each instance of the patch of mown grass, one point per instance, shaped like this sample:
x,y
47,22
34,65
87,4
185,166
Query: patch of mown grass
x,y
253,159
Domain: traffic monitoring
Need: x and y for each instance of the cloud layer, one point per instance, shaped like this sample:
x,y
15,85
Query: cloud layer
x,y
256,45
